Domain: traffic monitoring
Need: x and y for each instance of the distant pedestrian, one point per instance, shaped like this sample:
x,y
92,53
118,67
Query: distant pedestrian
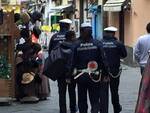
x,y
141,49
143,104
114,51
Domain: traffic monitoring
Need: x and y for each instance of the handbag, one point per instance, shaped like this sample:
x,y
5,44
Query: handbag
x,y
53,70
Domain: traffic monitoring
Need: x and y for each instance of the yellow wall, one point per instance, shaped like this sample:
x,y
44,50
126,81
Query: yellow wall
x,y
114,21
128,26
14,2
141,16
64,2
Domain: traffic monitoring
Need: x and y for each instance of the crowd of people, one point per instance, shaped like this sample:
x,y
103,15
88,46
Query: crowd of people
x,y
31,85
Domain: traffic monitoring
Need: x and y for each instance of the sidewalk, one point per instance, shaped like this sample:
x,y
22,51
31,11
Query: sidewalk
x,y
129,85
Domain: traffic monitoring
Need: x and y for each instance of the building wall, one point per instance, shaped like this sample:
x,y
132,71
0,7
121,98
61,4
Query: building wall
x,y
128,25
141,16
113,20
135,20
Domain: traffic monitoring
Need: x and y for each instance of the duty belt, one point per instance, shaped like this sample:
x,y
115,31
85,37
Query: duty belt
x,y
90,73
116,76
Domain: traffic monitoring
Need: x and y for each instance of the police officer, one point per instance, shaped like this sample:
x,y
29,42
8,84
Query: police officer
x,y
88,51
63,37
60,36
114,51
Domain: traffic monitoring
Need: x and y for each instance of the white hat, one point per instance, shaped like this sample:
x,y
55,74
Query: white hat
x,y
111,28
68,21
86,24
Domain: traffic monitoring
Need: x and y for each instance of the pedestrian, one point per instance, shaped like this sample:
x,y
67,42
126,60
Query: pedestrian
x,y
65,38
143,104
28,67
44,86
141,49
114,51
89,64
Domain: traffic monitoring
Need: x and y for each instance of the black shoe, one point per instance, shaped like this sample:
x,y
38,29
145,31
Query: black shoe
x,y
118,110
75,109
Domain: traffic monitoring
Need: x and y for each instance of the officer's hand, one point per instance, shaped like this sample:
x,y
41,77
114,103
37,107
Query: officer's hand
x,y
68,81
106,79
74,72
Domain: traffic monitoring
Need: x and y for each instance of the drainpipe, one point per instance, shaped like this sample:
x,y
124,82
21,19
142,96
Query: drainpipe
x,y
97,23
121,26
81,11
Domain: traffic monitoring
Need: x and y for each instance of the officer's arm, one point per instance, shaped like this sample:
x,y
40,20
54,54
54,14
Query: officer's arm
x,y
51,44
137,51
72,64
122,50
104,64
76,44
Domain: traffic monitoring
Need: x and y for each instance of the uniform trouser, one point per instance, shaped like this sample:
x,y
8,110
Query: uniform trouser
x,y
142,69
62,87
87,87
104,97
114,86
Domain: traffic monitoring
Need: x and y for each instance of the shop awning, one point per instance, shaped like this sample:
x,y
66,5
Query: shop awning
x,y
61,7
113,5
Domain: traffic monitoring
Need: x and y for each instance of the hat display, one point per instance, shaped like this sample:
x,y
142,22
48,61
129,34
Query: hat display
x,y
111,28
68,21
27,78
86,24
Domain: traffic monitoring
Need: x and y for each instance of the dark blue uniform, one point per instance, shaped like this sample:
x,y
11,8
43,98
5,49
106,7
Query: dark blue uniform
x,y
56,38
85,52
62,85
114,51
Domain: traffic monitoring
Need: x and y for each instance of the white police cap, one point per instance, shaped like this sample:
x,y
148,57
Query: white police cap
x,y
68,21
86,24
111,28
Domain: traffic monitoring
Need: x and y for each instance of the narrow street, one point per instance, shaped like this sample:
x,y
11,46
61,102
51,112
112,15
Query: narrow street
x,y
129,85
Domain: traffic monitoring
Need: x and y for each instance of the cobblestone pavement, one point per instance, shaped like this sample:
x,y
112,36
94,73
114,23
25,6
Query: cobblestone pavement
x,y
129,85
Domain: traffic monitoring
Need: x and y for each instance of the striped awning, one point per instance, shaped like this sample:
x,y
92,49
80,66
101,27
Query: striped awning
x,y
113,5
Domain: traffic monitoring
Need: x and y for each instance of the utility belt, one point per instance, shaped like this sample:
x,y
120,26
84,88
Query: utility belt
x,y
92,71
116,75
94,75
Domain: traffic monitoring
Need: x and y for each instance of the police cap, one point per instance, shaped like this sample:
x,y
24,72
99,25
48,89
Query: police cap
x,y
111,28
68,21
86,24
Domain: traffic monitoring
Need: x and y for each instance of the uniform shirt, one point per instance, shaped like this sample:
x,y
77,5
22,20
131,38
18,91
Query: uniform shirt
x,y
68,46
56,38
141,49
86,51
114,51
